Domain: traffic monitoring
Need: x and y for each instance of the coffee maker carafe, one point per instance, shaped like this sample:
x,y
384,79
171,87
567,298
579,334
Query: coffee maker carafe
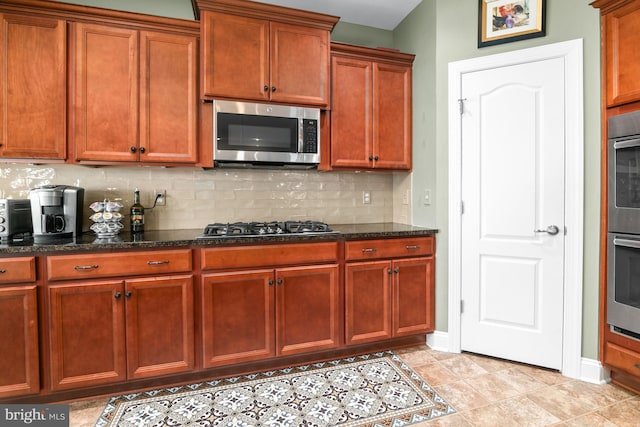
x,y
56,212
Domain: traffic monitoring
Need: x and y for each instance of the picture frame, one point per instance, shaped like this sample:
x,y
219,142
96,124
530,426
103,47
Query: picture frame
x,y
505,21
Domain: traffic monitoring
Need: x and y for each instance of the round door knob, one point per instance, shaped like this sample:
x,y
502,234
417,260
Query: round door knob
x,y
376,158
273,88
117,295
370,158
127,294
142,149
266,88
133,149
279,281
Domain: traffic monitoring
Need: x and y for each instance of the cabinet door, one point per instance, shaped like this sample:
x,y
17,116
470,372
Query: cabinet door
x,y
237,317
622,54
168,98
351,126
19,366
33,96
413,296
392,116
105,93
235,56
159,325
368,301
299,64
87,340
307,311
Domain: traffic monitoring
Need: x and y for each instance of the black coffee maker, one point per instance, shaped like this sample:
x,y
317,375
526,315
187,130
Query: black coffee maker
x,y
56,212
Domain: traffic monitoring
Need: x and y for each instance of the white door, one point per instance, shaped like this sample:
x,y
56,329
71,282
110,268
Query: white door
x,y
512,225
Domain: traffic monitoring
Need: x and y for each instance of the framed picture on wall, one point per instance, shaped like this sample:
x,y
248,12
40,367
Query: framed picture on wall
x,y
504,21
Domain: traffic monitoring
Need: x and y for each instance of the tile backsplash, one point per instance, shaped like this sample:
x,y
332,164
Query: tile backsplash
x,y
196,197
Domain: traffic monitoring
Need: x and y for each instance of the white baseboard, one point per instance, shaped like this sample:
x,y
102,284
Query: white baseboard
x,y
438,341
591,371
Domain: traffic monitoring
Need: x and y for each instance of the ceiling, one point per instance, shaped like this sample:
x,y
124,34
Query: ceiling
x,y
384,14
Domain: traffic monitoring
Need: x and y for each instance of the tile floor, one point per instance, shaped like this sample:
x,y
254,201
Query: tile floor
x,y
491,392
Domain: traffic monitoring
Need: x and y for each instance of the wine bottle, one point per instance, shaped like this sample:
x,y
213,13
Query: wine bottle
x,y
137,213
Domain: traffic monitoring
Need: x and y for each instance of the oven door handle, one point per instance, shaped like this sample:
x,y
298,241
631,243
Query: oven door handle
x,y
627,243
627,144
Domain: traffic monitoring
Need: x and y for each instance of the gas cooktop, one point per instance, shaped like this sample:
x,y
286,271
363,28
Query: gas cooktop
x,y
271,228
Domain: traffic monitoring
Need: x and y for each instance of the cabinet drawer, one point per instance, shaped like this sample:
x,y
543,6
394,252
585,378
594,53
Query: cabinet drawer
x,y
64,267
622,358
265,255
389,248
17,270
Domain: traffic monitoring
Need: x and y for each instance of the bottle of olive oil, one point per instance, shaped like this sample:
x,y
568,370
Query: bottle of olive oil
x,y
137,214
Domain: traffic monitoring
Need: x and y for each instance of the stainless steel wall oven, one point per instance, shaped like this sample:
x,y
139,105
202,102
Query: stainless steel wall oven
x,y
623,240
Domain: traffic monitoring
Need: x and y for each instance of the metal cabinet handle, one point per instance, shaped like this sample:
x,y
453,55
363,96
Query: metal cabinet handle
x,y
85,267
411,247
396,270
157,262
127,294
551,230
279,282
369,250
142,149
117,295
389,272
3,271
273,88
266,88
270,282
133,149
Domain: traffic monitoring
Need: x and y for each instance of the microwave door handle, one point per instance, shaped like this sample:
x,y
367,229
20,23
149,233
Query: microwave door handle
x,y
627,144
627,243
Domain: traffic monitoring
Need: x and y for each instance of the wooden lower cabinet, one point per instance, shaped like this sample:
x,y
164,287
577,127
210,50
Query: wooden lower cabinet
x,y
19,356
108,331
264,313
387,298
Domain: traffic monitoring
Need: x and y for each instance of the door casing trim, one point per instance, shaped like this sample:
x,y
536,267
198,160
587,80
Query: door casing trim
x,y
572,52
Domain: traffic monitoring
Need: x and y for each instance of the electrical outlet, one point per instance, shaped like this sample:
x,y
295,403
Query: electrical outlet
x,y
405,197
366,197
160,197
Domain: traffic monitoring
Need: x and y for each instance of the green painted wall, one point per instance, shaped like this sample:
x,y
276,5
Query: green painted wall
x,y
169,8
444,31
439,32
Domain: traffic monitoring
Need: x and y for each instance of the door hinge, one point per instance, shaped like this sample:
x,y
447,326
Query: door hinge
x,y
461,306
461,104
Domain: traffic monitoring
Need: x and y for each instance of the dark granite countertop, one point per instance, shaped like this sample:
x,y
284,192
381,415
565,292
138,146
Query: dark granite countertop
x,y
189,237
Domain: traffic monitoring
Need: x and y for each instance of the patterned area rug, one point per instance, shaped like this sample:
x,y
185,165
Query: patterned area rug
x,y
371,390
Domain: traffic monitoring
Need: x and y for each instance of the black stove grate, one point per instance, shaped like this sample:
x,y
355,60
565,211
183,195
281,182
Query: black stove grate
x,y
270,228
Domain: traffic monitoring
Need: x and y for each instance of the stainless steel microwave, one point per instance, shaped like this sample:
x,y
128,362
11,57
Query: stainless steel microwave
x,y
264,135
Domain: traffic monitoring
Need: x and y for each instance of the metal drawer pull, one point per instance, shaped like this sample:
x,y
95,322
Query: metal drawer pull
x,y
635,365
3,271
369,250
157,262
409,247
85,267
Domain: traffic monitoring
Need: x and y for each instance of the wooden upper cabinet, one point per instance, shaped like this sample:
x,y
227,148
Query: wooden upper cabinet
x,y
33,78
371,109
235,55
622,54
135,96
105,92
260,52
299,64
168,98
